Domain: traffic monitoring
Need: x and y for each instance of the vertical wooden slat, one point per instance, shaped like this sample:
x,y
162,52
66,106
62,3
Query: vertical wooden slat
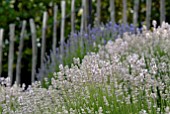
x,y
98,11
124,11
63,7
45,16
11,51
85,15
82,28
34,50
21,44
112,11
162,10
54,32
82,18
135,14
1,49
148,12
72,16
72,42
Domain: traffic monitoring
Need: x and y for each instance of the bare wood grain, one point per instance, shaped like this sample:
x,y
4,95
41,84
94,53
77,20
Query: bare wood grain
x,y
34,49
43,42
21,44
162,10
1,49
11,51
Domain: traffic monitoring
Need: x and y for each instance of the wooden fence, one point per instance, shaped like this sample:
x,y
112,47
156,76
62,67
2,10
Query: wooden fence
x,y
83,28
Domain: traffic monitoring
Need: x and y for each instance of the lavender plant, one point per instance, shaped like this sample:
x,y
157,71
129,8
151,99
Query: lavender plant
x,y
79,44
128,75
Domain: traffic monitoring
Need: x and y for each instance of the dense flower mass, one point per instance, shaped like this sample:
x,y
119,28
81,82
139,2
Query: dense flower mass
x,y
79,44
128,75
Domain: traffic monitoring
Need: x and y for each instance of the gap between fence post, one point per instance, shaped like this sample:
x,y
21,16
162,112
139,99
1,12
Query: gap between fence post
x,y
90,12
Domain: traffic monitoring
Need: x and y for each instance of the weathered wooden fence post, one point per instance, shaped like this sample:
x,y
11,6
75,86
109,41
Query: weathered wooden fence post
x,y
98,12
63,7
85,15
72,40
43,42
124,12
72,16
135,14
21,44
83,25
1,49
82,19
112,11
148,12
162,11
54,45
11,51
34,50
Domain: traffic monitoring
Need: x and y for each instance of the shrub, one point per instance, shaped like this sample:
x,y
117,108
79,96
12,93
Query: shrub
x,y
128,75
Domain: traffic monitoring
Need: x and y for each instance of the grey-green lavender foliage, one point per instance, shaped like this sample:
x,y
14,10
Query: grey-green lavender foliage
x,y
79,44
128,75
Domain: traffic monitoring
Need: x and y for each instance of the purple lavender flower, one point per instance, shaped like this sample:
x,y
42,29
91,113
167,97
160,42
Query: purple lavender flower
x,y
100,34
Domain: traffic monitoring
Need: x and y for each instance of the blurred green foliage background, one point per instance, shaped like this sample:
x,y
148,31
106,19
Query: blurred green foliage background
x,y
14,11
